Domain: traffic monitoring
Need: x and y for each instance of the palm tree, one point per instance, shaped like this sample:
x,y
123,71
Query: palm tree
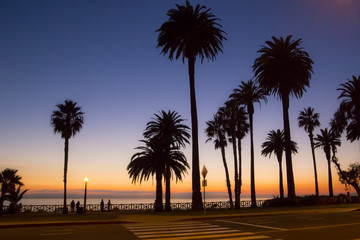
x,y
309,120
9,179
247,94
328,141
167,127
242,129
215,132
284,69
149,162
350,105
192,32
67,120
275,143
228,114
14,197
154,160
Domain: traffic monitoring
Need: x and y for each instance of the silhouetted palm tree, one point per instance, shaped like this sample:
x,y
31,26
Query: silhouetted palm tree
x,y
247,94
148,162
215,132
328,141
350,105
67,120
154,160
309,120
192,32
284,69
241,130
228,114
15,196
168,129
9,179
275,143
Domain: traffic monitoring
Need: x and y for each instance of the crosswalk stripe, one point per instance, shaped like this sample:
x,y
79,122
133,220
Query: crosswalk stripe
x,y
183,231
175,228
247,238
157,226
162,224
221,236
188,234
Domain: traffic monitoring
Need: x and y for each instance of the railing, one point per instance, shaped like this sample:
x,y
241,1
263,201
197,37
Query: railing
x,y
131,207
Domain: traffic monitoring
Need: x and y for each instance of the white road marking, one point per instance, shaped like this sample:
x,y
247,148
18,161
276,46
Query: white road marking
x,y
183,231
252,225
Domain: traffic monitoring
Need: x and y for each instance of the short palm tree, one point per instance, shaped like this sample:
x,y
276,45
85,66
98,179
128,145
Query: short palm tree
x,y
275,143
154,160
350,105
309,120
247,94
167,128
149,161
15,196
328,141
284,69
9,179
215,132
67,120
190,33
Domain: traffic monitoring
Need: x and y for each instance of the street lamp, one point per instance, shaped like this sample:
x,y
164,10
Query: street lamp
x,y
86,180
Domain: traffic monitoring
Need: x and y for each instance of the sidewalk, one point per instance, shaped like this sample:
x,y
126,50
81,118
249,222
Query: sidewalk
x,y
121,218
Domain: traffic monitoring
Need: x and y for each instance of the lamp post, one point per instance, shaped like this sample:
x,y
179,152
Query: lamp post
x,y
86,180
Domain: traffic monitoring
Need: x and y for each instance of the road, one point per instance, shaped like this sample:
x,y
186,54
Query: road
x,y
313,225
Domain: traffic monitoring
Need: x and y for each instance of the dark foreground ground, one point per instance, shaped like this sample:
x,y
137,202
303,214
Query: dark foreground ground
x,y
330,222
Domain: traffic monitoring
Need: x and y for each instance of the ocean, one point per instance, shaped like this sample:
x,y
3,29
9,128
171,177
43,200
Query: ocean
x,y
59,201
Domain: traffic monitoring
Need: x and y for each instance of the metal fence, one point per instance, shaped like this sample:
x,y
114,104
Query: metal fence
x,y
131,207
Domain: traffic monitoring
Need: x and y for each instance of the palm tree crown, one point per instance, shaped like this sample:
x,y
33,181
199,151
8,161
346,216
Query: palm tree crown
x,y
191,32
284,67
308,120
328,141
275,143
67,119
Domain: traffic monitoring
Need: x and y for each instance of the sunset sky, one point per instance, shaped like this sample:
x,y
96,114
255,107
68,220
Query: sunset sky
x,y
103,55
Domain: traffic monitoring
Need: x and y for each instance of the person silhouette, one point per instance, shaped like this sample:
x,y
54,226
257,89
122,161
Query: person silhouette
x,y
109,205
102,205
72,206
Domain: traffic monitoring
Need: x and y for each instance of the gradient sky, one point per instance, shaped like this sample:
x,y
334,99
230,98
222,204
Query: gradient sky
x,y
103,55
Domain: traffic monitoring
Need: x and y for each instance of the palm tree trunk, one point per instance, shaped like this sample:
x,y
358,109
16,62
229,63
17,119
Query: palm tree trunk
x,y
66,152
315,171
158,207
240,175
331,193
281,185
167,190
289,168
196,194
227,176
252,165
237,202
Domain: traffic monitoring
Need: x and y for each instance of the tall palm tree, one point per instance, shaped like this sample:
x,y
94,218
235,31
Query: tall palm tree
x,y
9,179
284,69
275,143
350,105
247,94
215,132
192,32
228,114
328,141
167,127
309,120
67,120
241,130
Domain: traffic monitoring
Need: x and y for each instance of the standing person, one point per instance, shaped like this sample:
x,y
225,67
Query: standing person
x,y
109,205
77,206
72,205
102,205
